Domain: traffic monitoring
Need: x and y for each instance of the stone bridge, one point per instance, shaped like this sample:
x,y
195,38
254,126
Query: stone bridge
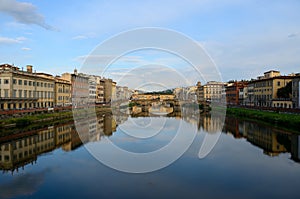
x,y
170,105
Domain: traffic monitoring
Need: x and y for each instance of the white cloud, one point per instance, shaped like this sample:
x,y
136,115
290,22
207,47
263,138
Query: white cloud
x,y
7,40
79,37
26,49
84,36
25,13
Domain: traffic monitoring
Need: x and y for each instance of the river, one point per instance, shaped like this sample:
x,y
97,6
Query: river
x,y
249,160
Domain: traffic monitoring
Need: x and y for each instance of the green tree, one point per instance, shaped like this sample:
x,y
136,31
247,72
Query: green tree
x,y
285,92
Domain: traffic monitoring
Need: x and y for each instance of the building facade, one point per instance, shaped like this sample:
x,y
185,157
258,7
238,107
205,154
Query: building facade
x,y
123,93
249,97
99,92
232,92
114,91
79,88
25,89
45,90
107,94
62,92
266,88
296,91
92,89
211,91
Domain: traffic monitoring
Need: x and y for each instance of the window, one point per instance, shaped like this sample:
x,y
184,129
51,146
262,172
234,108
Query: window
x,y
14,81
0,81
5,92
38,84
278,83
29,83
30,94
42,84
6,81
15,93
25,82
20,93
6,158
20,82
33,83
25,93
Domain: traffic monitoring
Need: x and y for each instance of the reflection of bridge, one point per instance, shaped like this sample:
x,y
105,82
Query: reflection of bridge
x,y
148,105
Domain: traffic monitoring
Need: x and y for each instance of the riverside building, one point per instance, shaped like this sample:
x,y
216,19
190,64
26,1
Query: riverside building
x,y
21,89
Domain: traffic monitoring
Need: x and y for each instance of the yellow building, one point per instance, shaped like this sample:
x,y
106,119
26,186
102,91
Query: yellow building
x,y
20,149
24,89
63,134
45,140
62,92
267,140
17,153
282,103
212,124
45,90
114,91
266,87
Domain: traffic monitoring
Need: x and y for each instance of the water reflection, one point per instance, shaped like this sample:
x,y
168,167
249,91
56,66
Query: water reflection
x,y
271,140
24,147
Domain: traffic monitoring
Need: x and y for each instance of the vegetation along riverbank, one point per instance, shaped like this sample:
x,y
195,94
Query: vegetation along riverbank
x,y
47,117
280,119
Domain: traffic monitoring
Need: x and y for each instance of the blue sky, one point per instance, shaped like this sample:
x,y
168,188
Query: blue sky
x,y
244,38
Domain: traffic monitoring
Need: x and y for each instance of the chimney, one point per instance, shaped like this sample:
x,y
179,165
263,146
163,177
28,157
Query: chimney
x,y
29,68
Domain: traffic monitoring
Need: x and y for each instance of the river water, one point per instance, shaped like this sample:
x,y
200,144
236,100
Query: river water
x,y
249,160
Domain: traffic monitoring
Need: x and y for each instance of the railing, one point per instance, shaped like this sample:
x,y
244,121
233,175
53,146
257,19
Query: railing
x,y
32,110
18,98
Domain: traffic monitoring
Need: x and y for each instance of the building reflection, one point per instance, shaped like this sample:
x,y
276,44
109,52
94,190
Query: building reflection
x,y
211,123
22,148
271,140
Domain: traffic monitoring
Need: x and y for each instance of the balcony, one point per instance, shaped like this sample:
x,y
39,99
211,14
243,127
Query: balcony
x,y
18,98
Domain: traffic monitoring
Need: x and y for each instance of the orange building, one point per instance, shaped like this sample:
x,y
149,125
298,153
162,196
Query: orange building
x,y
232,91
